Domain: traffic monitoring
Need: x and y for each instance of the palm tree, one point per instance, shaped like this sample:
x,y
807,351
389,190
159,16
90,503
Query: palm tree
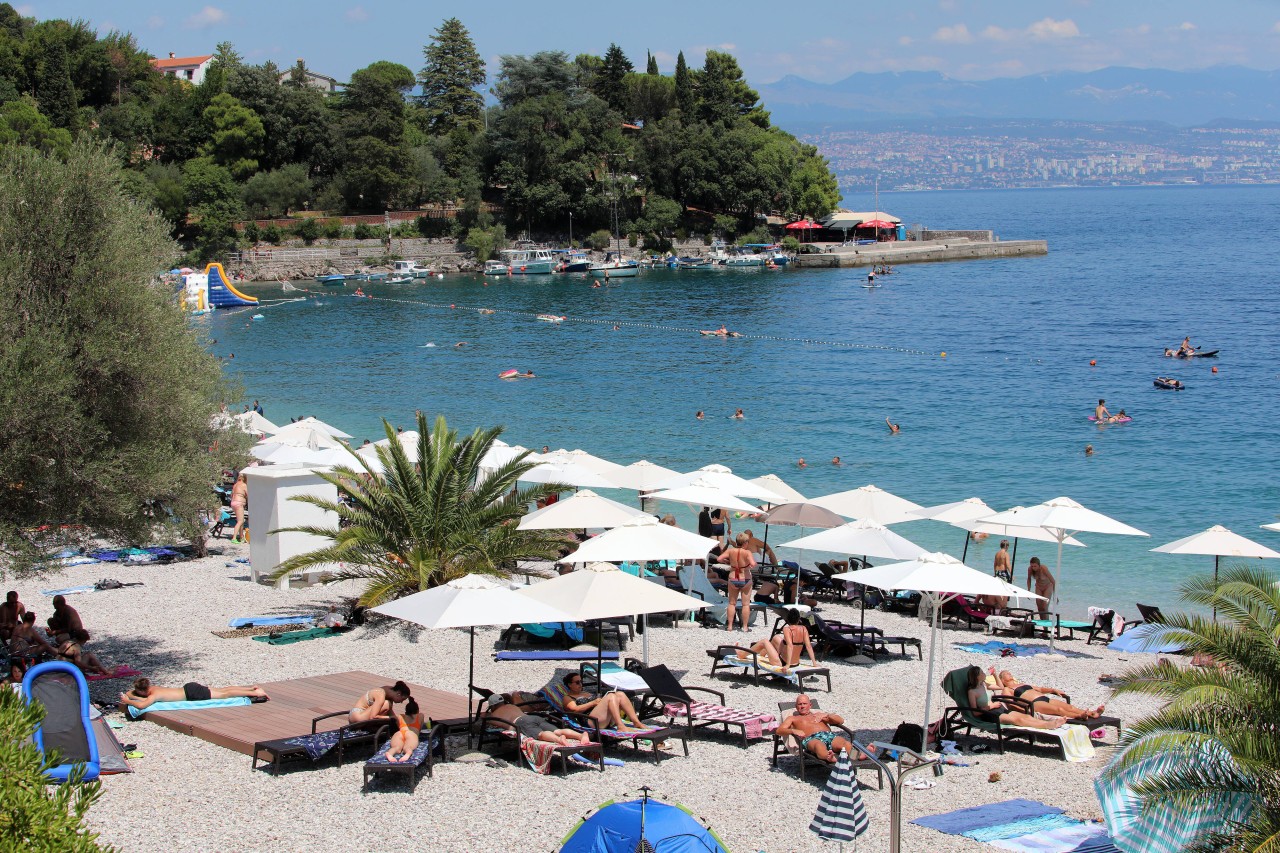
x,y
1219,733
417,526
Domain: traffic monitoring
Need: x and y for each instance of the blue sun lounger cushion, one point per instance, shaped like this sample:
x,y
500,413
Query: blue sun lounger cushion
x,y
63,691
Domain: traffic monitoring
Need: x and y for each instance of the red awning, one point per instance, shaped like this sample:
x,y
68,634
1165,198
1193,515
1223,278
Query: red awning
x,y
876,223
802,225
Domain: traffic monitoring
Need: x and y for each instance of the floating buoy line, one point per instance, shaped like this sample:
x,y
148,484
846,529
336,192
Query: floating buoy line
x,y
534,315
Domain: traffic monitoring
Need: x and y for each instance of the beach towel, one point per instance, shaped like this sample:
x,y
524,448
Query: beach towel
x,y
615,676
1117,621
537,754
549,654
415,758
1076,745
71,590
316,745
135,713
119,672
1025,826
1021,650
259,621
288,638
794,676
754,723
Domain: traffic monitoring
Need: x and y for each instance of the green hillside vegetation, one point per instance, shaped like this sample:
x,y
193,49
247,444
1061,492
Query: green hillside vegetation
x,y
588,135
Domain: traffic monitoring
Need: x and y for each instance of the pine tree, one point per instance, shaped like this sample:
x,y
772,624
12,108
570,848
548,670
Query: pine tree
x,y
684,87
449,80
613,71
652,67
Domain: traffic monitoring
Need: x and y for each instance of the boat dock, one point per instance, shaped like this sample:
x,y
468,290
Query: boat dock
x,y
921,251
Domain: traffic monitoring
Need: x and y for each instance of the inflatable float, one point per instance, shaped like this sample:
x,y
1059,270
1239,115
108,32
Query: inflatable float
x,y
552,318
1213,353
1123,420
512,373
719,333
1168,384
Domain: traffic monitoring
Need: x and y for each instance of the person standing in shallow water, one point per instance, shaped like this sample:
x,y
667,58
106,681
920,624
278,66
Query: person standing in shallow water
x,y
1045,584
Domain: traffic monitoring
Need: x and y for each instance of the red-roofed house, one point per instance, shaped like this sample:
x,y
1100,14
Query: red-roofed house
x,y
189,68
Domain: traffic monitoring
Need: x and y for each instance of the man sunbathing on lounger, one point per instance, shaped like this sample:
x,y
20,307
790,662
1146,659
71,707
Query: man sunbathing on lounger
x,y
144,695
813,729
1053,699
534,726
611,710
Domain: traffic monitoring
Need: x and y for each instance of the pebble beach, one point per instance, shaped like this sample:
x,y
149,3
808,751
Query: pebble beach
x,y
198,796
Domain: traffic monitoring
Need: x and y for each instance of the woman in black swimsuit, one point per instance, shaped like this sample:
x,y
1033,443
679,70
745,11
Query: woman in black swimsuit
x,y
987,711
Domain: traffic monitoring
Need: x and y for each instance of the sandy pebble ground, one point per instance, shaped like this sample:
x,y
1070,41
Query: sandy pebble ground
x,y
191,795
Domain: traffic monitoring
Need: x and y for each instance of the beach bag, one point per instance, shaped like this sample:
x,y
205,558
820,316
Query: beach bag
x,y
910,735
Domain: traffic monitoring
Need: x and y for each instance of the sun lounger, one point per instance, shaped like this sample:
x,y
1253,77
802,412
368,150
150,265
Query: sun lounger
x,y
725,659
789,745
1058,624
556,695
677,704
317,744
539,754
842,640
287,638
1072,741
961,610
430,744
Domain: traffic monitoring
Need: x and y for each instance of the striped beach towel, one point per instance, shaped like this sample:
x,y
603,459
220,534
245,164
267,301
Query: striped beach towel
x,y
754,722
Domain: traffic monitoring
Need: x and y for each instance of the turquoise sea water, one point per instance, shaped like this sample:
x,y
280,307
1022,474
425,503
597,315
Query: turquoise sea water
x,y
1002,417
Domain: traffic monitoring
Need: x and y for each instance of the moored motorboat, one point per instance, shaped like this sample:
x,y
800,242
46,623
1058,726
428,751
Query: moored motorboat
x,y
335,280
613,267
529,261
496,268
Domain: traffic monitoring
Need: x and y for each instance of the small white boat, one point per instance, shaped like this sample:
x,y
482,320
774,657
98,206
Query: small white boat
x,y
398,279
410,269
529,261
613,267
496,268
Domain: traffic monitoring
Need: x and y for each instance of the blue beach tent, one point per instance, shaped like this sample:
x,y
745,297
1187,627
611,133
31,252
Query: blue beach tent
x,y
644,824
61,688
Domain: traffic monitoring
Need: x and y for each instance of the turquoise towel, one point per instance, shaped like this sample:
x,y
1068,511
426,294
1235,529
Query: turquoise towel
x,y
134,713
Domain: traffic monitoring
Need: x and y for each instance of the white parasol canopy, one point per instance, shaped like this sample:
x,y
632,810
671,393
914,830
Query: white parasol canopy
x,y
568,473
254,423
466,602
702,492
801,514
500,453
643,538
300,436
583,458
582,510
863,537
641,476
1218,542
1061,517
774,483
870,502
959,512
1014,528
723,478
282,454
320,426
942,576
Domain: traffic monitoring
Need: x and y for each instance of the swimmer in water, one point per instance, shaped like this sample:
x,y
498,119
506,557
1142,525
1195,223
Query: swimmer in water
x,y
894,429
699,415
460,344
1100,412
528,374
835,460
1088,450
802,463
739,415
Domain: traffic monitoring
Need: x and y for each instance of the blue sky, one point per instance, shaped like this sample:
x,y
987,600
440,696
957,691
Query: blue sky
x,y
820,41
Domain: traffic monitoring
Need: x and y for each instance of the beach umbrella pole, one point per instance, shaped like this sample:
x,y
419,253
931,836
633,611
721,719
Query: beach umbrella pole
x,y
1053,635
1215,586
644,630
471,683
928,688
965,553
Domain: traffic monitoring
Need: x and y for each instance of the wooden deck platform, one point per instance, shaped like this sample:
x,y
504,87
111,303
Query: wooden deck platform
x,y
294,704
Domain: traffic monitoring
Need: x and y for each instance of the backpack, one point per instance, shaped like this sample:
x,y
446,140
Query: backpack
x,y
910,735
108,583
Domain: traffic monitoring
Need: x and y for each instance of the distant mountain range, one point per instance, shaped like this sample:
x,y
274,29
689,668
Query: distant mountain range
x,y
1181,98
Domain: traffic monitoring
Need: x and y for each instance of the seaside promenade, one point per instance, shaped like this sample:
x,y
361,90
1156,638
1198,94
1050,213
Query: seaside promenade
x,y
947,249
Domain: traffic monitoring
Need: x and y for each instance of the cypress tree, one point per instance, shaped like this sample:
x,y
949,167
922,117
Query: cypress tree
x,y
652,68
684,87
54,92
449,80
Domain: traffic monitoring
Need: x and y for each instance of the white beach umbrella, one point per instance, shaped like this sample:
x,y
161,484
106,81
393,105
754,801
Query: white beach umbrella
x,y
302,436
500,453
254,423
1014,527
723,478
466,602
702,492
641,476
568,473
583,458
283,454
958,514
582,510
603,591
864,537
774,483
643,538
1218,542
320,426
870,502
1061,517
944,578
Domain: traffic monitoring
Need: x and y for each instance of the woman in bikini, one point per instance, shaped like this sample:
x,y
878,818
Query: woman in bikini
x,y
378,702
741,562
405,741
239,503
1053,700
611,710
73,651
793,640
987,711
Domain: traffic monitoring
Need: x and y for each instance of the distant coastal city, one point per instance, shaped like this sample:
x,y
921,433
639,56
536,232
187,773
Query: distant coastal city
x,y
977,154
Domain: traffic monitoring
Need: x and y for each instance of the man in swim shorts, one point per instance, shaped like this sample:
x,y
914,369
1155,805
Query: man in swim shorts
x,y
534,726
813,729
144,694
1100,412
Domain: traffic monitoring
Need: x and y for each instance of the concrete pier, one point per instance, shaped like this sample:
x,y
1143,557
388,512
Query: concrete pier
x,y
922,251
